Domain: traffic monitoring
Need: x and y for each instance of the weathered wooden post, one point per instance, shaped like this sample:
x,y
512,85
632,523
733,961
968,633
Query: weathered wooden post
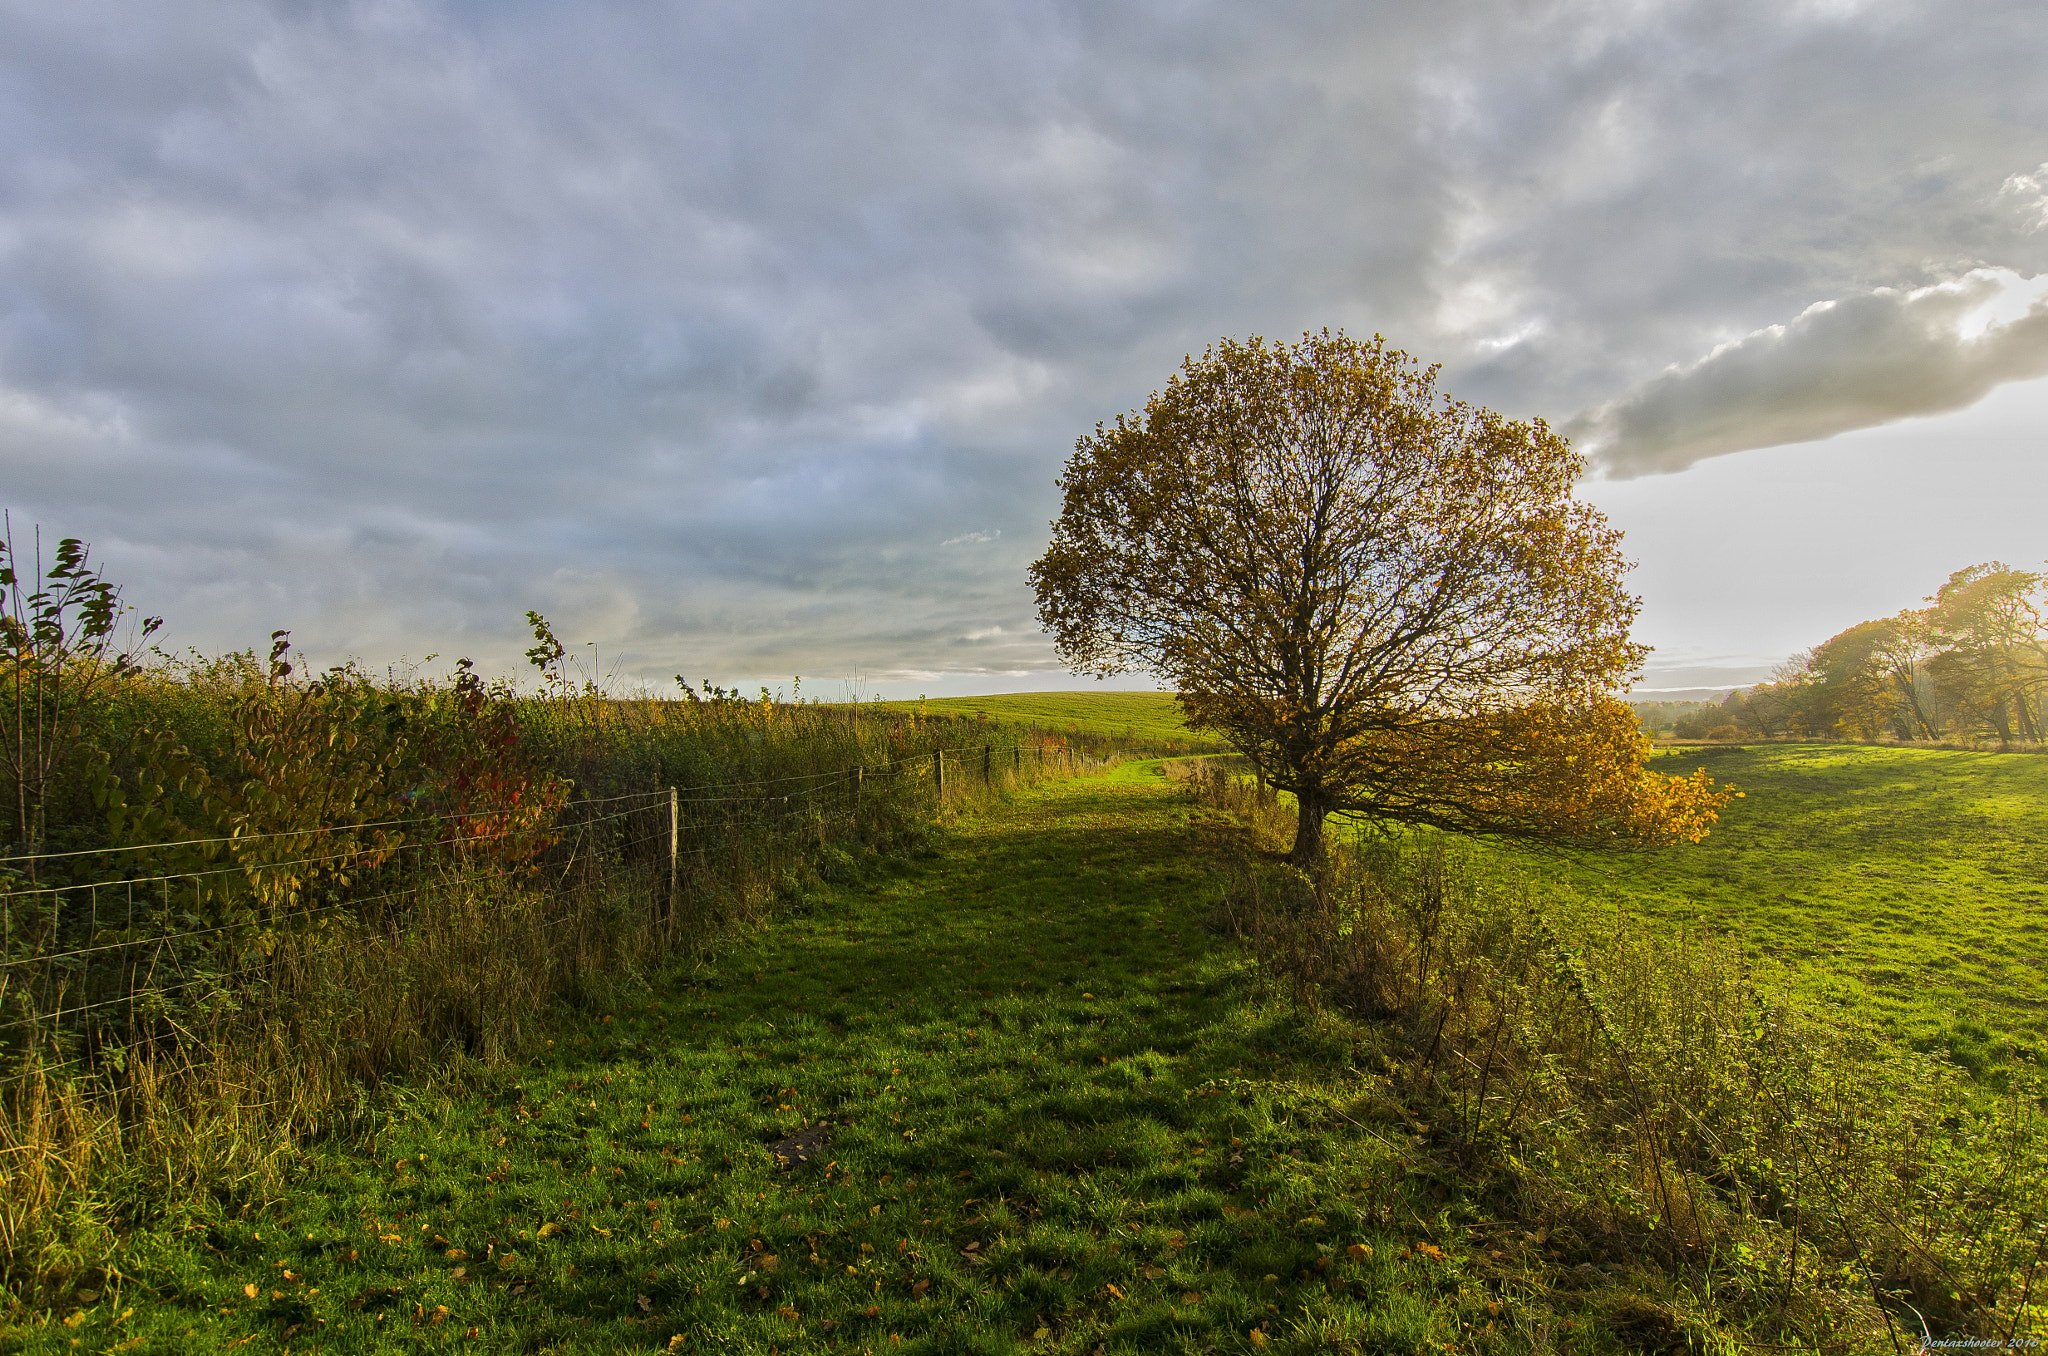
x,y
673,855
939,772
986,754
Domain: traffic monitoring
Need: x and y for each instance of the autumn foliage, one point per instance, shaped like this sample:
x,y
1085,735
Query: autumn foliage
x,y
1389,600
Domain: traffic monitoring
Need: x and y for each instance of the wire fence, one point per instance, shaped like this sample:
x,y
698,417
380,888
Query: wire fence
x,y
137,958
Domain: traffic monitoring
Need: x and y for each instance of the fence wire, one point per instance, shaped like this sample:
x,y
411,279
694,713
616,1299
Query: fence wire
x,y
143,951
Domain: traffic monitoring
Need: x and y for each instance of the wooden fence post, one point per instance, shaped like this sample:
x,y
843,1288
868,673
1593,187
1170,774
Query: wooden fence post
x,y
939,772
986,754
673,855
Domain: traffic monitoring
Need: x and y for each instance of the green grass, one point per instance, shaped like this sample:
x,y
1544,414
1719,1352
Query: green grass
x,y
1057,1118
1907,888
1147,717
1029,1042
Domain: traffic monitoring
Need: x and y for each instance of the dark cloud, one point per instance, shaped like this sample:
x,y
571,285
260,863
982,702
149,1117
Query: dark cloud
x,y
749,338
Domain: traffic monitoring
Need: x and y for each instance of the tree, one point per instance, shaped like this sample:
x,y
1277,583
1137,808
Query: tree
x,y
1991,665
1390,602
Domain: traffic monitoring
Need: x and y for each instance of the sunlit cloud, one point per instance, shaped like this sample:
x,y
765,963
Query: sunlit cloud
x,y
1847,364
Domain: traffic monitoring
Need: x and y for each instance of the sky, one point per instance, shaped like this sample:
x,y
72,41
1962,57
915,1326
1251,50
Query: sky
x,y
745,340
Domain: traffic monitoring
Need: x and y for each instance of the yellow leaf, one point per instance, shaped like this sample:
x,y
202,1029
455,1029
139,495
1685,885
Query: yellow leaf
x,y
1041,1334
1258,1339
455,1254
250,1291
1358,1252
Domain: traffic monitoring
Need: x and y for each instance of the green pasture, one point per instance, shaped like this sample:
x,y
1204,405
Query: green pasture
x,y
1144,717
1907,888
1046,1113
1041,1105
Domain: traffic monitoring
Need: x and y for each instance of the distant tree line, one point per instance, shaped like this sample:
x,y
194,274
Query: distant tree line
x,y
1971,665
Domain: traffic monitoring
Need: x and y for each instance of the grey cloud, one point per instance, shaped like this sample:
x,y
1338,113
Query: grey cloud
x,y
1841,365
702,327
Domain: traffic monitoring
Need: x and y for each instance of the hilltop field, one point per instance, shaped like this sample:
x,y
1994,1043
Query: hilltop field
x,y
1031,1092
1140,717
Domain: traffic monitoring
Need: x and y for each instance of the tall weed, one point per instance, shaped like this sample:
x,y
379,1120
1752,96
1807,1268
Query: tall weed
x,y
1650,1130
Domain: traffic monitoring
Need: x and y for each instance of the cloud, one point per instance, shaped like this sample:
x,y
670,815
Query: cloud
x,y
1864,360
695,326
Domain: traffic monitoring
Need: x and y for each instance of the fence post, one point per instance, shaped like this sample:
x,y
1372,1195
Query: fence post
x,y
986,754
856,797
673,855
1016,757
939,772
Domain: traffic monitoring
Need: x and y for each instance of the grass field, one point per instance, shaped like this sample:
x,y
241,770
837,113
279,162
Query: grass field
x,y
1904,887
1147,717
1045,1108
1049,1116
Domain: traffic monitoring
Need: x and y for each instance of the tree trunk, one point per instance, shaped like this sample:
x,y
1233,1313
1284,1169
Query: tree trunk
x,y
1313,807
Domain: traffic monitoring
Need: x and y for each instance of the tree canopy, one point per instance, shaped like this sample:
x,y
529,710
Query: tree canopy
x,y
1972,664
1389,600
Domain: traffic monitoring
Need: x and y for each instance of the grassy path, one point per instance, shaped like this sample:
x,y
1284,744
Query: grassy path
x,y
1053,1118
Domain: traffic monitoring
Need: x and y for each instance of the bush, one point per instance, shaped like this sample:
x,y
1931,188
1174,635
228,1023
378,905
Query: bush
x,y
1631,1105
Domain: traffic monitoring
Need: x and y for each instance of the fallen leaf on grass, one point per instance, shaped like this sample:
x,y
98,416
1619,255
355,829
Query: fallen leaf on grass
x,y
1257,1338
440,1314
1041,1334
872,1311
1114,1291
917,1291
787,1313
250,1291
646,1305
1152,1273
453,1255
1358,1252
1191,1298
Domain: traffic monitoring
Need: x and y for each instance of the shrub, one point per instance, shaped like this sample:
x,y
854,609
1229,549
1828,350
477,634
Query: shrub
x,y
1633,1104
